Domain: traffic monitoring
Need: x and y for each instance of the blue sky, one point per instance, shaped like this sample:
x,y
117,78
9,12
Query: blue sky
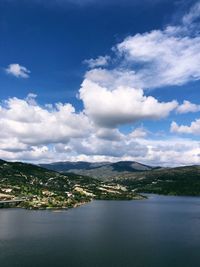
x,y
100,80
54,40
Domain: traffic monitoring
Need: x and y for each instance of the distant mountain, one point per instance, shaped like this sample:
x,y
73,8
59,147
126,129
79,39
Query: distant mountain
x,y
99,170
67,166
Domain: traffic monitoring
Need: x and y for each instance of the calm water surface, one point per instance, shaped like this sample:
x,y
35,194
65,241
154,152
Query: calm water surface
x,y
158,232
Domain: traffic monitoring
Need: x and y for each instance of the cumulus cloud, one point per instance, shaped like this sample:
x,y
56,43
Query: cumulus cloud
x,y
47,133
33,154
93,146
97,62
33,124
172,152
122,105
33,132
12,144
194,128
168,152
37,133
18,71
187,106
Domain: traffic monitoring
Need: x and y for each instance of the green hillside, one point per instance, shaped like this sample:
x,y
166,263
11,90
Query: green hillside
x,y
168,181
42,188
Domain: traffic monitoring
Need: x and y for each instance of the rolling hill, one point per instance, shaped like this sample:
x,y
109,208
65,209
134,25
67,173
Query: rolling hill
x,y
42,188
98,170
168,181
139,177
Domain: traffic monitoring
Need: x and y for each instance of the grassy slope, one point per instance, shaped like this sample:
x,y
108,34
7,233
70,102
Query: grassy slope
x,y
174,181
28,180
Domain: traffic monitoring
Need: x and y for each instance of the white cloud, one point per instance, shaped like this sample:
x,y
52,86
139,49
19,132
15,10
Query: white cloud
x,y
56,132
34,133
33,154
97,62
112,78
18,71
187,106
112,107
168,152
138,133
34,125
12,144
112,97
93,146
172,152
194,128
166,57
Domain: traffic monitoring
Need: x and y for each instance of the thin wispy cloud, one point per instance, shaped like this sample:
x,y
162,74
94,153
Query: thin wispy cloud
x,y
192,16
100,61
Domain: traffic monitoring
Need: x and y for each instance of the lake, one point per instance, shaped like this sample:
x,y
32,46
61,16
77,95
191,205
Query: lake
x,y
161,231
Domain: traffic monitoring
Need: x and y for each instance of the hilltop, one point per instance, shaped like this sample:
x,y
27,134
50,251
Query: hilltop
x,y
99,170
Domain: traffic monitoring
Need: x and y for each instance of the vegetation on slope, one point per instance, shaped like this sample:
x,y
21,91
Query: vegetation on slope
x,y
98,170
169,181
42,188
139,177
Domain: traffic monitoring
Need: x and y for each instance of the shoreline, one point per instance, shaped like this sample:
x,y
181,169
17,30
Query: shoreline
x,y
76,205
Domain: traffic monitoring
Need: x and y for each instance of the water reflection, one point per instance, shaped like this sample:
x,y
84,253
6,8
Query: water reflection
x,y
158,232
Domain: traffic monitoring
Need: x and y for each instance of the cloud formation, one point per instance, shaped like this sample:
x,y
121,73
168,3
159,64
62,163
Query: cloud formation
x,y
18,71
138,133
187,106
190,18
97,62
112,97
57,132
194,128
52,133
163,57
121,105
34,125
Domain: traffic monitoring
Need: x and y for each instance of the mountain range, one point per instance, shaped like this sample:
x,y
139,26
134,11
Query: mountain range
x,y
138,177
99,170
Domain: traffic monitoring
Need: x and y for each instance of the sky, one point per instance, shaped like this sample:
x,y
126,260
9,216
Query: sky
x,y
91,80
